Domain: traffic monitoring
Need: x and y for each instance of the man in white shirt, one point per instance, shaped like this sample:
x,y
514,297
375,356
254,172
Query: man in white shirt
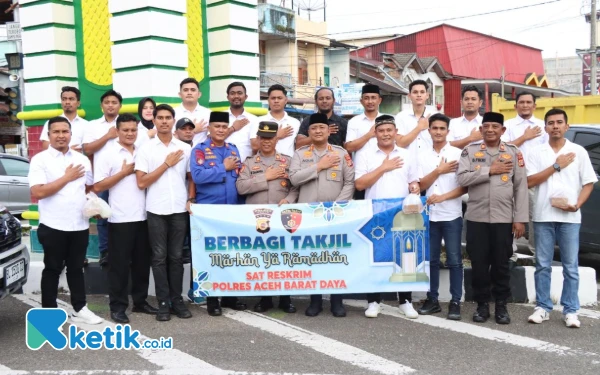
x,y
60,178
127,226
387,171
189,92
465,129
98,134
361,128
288,126
413,123
438,177
102,130
70,99
240,121
162,166
565,178
526,132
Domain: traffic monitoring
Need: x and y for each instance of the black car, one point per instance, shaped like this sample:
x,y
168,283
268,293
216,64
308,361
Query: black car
x,y
588,136
14,255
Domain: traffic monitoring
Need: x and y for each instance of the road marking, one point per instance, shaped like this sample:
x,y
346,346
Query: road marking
x,y
5,370
481,332
325,345
171,361
593,314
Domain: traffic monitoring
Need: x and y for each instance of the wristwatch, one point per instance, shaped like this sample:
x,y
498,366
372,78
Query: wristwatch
x,y
192,199
556,167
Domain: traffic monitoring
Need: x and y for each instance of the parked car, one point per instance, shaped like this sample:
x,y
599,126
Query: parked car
x,y
14,255
14,184
588,136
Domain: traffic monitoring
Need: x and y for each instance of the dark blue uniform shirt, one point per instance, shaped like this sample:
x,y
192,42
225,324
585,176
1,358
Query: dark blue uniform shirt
x,y
214,185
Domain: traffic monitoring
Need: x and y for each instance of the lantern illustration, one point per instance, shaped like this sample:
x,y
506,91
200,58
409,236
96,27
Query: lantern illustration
x,y
408,236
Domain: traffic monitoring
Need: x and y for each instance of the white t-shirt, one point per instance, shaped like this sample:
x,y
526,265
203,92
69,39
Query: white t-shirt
x,y
63,210
142,136
78,128
567,183
360,125
284,146
406,121
97,129
428,162
168,194
461,128
199,113
515,128
126,200
241,138
393,184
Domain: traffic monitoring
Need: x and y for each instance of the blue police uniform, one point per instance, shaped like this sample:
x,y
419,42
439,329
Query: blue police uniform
x,y
214,185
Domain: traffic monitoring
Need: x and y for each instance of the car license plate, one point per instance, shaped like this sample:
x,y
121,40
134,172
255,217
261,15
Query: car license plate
x,y
14,272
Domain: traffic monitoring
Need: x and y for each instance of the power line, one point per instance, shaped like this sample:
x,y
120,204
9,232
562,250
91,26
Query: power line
x,y
450,18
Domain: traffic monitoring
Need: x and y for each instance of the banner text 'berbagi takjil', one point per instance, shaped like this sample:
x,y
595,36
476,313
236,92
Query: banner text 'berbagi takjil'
x,y
331,247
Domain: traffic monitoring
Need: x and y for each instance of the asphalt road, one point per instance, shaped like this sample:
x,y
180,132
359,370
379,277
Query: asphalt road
x,y
276,343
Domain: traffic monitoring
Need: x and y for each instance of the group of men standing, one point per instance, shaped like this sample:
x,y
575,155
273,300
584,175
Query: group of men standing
x,y
152,171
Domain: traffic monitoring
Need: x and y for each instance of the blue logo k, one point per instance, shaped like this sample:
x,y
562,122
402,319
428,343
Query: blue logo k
x,y
43,325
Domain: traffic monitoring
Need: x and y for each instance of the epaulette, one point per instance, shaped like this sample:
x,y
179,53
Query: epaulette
x,y
287,156
302,148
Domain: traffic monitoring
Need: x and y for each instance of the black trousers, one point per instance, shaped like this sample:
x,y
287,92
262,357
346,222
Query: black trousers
x,y
490,247
63,248
129,253
166,234
402,297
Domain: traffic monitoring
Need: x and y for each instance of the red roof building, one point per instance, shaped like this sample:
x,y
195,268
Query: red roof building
x,y
471,58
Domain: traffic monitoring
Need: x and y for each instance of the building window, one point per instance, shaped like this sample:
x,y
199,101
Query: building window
x,y
430,91
302,71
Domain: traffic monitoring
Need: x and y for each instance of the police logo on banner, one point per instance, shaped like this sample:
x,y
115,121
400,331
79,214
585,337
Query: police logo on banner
x,y
291,219
263,219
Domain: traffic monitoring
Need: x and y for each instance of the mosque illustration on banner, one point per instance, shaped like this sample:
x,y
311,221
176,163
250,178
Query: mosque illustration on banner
x,y
399,238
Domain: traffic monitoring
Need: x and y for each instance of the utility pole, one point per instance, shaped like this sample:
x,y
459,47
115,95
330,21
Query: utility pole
x,y
593,62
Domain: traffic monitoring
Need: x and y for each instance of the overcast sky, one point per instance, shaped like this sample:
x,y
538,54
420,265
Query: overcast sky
x,y
558,27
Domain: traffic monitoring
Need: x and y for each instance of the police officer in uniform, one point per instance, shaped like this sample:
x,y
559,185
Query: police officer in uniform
x,y
264,179
498,208
214,165
323,173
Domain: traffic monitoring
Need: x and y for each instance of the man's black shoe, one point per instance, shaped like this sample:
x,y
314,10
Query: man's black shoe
x,y
103,261
180,309
146,308
454,310
482,314
265,304
316,305
501,313
430,307
337,306
285,304
233,303
119,317
164,313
